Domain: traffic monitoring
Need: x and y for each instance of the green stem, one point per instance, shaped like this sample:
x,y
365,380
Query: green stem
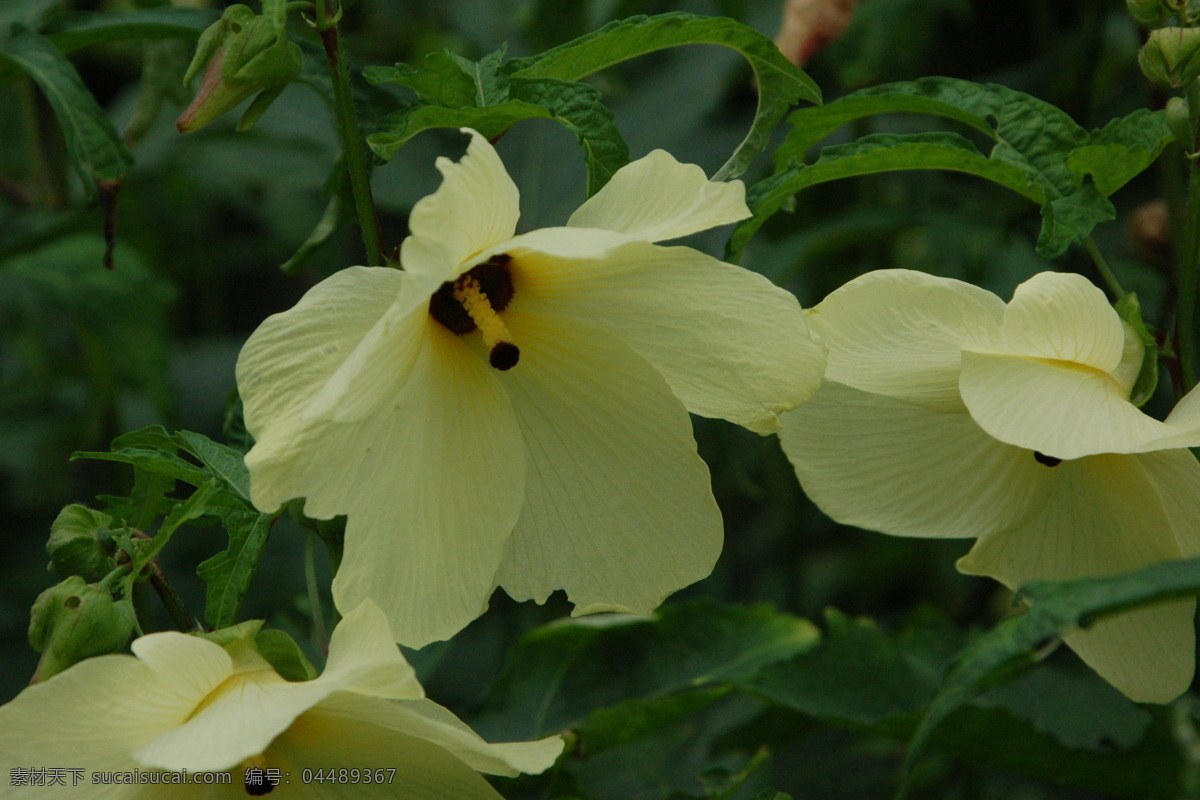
x,y
348,133
314,595
170,600
1110,278
1185,323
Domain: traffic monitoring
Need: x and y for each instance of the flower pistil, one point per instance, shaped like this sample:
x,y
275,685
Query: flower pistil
x,y
473,302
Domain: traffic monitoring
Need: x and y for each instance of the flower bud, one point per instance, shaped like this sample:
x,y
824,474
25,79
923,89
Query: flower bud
x,y
1147,12
240,54
76,620
81,543
1182,123
1171,56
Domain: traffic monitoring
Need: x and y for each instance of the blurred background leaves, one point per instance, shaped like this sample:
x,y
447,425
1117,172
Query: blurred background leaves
x,y
709,699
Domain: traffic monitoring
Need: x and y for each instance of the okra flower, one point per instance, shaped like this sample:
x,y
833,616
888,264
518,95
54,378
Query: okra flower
x,y
512,409
185,703
946,413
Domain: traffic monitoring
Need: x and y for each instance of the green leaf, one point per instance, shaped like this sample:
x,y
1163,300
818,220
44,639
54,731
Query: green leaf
x,y
637,718
1068,219
1055,608
559,674
1129,309
78,29
579,108
857,674
440,79
223,494
781,84
151,460
94,146
884,152
281,652
1047,157
398,127
229,573
224,462
1121,149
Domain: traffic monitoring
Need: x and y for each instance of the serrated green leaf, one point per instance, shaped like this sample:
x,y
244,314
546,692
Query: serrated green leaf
x,y
224,462
578,106
96,149
1121,149
1054,608
439,80
558,674
151,460
488,84
1049,157
885,152
1068,219
781,84
229,573
398,127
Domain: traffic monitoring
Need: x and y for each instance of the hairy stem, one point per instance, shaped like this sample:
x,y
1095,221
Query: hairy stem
x,y
1110,278
348,132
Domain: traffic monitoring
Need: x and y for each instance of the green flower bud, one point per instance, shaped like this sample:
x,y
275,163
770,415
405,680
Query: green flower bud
x,y
76,620
1182,123
81,543
1147,12
240,54
1171,56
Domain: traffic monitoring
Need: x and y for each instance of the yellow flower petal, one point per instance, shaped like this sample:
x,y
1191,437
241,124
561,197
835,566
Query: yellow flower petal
x,y
427,720
730,343
432,485
290,357
1061,409
93,715
362,648
899,333
657,198
476,207
882,464
618,511
423,770
1063,317
1105,515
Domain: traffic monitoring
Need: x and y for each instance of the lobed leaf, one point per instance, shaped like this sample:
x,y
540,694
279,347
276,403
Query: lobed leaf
x,y
1038,151
781,84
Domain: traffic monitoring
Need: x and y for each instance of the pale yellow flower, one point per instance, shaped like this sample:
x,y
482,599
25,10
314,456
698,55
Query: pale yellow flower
x,y
947,413
569,462
185,703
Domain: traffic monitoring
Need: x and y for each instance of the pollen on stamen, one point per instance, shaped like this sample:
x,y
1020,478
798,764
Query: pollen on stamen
x,y
502,353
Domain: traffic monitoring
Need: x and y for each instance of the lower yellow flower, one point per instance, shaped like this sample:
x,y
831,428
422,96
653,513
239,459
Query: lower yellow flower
x,y
362,729
947,413
512,410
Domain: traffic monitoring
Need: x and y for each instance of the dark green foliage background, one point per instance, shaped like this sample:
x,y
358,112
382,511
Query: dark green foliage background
x,y
206,220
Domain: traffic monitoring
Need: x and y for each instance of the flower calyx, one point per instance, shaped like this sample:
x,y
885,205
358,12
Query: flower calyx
x,y
473,302
240,54
74,620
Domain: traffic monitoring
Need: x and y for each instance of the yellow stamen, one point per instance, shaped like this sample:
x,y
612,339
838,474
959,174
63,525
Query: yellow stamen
x,y
503,354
